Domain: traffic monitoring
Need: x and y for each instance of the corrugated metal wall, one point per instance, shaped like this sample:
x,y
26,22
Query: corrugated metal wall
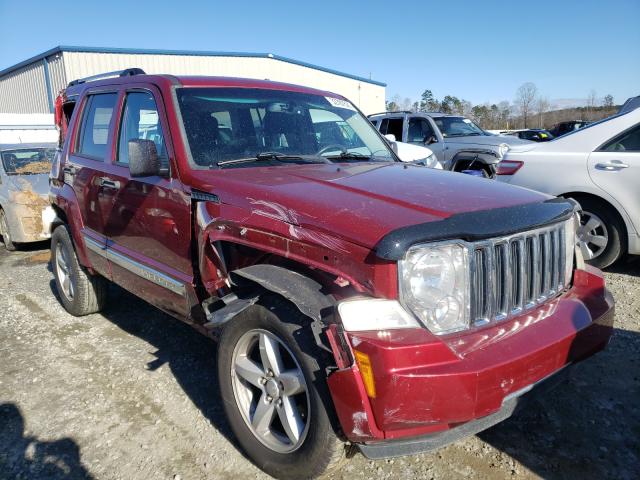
x,y
25,90
57,73
367,96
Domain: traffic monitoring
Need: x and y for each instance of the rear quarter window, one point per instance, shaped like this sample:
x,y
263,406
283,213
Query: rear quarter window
x,y
96,121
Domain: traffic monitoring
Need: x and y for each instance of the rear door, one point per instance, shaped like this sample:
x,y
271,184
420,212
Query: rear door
x,y
615,167
85,166
149,226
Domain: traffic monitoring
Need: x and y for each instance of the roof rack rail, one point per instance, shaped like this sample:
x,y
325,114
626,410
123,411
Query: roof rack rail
x,y
127,72
434,112
390,111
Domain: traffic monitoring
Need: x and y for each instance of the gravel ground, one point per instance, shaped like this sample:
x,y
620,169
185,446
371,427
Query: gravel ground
x,y
131,394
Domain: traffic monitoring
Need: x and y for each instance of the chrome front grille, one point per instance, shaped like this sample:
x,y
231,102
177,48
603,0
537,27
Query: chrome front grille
x,y
516,273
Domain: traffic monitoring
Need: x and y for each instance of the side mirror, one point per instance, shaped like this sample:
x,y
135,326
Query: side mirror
x,y
431,140
143,158
391,137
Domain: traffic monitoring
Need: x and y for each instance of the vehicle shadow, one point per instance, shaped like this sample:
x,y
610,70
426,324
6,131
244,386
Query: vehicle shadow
x,y
25,456
628,266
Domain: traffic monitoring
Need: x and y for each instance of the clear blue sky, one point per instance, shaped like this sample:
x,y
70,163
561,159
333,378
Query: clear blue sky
x,y
477,50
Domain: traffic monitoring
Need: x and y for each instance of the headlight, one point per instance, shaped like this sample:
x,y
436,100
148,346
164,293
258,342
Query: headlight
x,y
431,162
503,148
374,314
434,284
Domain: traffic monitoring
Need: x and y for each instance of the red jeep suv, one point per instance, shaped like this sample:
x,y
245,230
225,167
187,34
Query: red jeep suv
x,y
357,301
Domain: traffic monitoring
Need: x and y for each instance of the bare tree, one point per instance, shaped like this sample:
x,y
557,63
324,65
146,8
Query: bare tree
x,y
542,106
592,100
525,98
407,104
608,101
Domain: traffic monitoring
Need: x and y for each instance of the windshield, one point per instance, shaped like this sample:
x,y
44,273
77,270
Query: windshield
x,y
28,161
457,127
226,124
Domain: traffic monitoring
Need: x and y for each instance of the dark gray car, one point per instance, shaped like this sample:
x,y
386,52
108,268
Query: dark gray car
x,y
25,213
446,135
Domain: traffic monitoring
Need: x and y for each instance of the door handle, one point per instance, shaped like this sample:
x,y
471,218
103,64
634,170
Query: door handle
x,y
611,165
108,183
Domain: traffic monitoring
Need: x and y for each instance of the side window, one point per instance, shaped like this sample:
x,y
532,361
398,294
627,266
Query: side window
x,y
419,130
392,126
140,120
627,142
95,125
374,122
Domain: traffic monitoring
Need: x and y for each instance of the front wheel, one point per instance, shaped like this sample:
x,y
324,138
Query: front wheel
x,y
5,233
273,384
600,233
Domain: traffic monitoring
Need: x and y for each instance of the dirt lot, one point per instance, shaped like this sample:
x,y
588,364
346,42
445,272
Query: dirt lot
x,y
131,394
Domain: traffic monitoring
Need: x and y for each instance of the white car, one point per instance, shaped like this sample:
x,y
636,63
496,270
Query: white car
x,y
417,155
599,166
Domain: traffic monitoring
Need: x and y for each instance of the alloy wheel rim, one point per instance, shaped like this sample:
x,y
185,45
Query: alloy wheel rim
x,y
270,391
593,235
64,272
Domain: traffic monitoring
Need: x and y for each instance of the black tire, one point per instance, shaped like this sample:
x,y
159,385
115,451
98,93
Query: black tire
x,y
89,291
321,449
616,245
5,233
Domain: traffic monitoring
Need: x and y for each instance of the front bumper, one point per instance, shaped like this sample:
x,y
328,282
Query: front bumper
x,y
511,403
437,389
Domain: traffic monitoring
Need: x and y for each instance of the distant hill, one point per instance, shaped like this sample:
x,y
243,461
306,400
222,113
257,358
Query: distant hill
x,y
550,118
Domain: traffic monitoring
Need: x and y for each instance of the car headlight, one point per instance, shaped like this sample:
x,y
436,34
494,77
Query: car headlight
x,y
374,314
434,286
430,162
503,148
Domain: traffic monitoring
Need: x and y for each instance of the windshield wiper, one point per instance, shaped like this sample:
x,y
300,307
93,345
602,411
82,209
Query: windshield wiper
x,y
350,156
268,156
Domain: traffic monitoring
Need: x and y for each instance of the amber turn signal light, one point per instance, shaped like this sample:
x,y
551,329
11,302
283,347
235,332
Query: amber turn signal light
x,y
366,372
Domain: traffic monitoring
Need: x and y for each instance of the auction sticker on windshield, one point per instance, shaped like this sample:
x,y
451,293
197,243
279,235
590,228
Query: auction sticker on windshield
x,y
338,102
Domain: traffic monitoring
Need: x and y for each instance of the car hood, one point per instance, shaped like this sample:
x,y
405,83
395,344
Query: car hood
x,y
408,152
489,140
359,203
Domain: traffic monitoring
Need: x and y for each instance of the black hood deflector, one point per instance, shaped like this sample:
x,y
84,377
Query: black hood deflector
x,y
474,226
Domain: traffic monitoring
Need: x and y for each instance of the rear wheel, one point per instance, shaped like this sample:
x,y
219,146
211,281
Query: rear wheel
x,y
80,292
272,381
5,233
601,233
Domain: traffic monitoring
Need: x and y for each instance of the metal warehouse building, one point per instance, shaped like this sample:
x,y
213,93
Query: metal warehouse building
x,y
32,85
